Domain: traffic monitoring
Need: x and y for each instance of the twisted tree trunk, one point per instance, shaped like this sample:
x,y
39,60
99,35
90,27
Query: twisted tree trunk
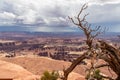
x,y
112,57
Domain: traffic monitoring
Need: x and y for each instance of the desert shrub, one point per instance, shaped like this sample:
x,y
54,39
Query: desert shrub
x,y
54,75
96,75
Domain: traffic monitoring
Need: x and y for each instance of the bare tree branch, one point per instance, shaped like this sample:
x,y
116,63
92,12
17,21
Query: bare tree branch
x,y
102,65
90,34
85,6
84,18
112,57
73,65
73,20
107,77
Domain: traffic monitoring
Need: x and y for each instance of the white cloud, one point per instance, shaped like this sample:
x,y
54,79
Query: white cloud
x,y
7,18
50,13
7,15
102,2
104,14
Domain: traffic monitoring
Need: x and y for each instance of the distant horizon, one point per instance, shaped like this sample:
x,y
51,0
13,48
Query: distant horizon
x,y
50,32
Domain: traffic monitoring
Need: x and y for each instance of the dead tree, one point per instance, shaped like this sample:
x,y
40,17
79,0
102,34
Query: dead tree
x,y
111,54
105,51
72,66
90,36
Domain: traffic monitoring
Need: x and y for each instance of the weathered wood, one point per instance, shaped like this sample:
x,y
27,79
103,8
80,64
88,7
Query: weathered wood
x,y
73,65
112,57
90,35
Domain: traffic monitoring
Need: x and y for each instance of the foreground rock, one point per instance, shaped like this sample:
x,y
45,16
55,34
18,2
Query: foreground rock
x,y
37,65
15,72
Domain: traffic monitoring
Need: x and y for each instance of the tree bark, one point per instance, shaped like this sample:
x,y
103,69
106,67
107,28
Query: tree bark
x,y
73,65
112,57
118,78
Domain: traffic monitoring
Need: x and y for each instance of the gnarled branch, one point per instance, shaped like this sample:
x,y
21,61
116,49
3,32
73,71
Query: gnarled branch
x,y
73,65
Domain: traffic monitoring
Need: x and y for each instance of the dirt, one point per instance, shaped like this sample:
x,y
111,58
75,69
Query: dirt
x,y
37,65
15,72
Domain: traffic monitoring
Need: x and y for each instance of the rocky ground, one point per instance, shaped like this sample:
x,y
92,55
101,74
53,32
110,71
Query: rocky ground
x,y
34,65
15,72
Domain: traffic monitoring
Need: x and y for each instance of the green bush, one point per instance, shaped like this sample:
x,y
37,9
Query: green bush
x,y
50,76
96,75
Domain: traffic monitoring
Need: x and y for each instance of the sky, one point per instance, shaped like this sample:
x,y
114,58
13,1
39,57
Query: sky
x,y
52,15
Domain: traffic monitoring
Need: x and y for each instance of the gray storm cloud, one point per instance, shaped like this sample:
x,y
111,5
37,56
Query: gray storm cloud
x,y
54,13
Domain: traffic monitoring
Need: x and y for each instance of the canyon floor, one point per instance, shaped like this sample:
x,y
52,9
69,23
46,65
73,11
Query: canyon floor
x,y
32,67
